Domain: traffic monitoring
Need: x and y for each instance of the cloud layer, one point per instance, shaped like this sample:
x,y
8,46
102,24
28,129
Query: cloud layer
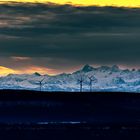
x,y
53,35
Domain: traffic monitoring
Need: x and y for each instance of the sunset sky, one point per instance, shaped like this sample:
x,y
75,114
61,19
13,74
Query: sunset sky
x,y
52,38
127,3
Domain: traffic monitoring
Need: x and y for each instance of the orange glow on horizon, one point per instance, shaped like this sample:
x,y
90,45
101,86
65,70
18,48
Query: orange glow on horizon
x,y
41,70
119,3
4,71
28,70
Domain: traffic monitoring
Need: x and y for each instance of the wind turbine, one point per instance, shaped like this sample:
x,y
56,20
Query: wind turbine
x,y
92,79
41,82
81,80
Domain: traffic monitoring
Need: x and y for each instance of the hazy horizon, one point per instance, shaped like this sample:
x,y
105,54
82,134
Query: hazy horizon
x,y
67,72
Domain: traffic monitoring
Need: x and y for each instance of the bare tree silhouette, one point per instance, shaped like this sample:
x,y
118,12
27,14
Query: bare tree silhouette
x,y
80,81
92,79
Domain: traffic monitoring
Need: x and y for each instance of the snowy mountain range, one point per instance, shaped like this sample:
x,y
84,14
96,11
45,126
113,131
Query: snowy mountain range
x,y
103,78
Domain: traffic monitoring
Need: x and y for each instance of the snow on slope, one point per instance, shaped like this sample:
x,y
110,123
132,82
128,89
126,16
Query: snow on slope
x,y
105,79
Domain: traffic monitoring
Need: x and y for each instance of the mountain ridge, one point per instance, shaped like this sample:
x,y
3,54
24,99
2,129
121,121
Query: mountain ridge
x,y
108,78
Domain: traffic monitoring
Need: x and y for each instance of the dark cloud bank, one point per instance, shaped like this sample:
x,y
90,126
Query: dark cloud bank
x,y
54,35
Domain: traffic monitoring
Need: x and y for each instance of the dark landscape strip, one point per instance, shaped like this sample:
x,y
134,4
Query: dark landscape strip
x,y
28,94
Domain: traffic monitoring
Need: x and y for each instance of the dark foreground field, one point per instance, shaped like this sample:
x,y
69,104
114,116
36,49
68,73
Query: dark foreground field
x,y
41,115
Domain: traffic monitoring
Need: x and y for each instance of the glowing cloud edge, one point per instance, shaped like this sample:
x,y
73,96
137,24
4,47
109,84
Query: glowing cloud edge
x,y
77,3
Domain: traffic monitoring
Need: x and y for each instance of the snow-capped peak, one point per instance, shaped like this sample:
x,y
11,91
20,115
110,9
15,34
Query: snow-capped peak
x,y
115,68
87,68
37,74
